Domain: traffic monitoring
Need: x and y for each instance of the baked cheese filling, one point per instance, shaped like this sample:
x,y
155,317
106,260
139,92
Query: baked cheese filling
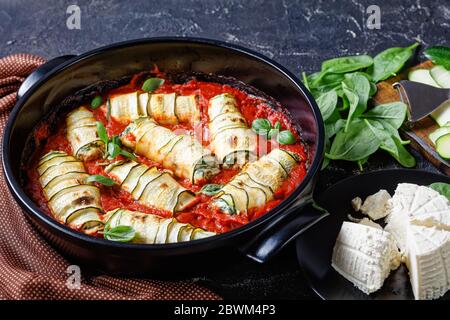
x,y
255,185
151,186
82,135
182,154
165,108
152,229
71,200
232,141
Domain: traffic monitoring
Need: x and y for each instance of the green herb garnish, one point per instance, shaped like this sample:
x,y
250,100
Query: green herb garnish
x,y
442,188
286,137
119,233
100,179
96,102
152,84
211,189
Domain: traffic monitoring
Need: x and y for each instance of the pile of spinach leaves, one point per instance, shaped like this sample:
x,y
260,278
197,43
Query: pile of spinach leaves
x,y
343,89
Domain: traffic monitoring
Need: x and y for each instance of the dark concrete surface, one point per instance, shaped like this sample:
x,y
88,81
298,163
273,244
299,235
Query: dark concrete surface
x,y
298,34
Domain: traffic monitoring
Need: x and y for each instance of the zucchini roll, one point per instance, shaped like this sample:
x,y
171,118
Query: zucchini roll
x,y
151,186
71,200
165,108
82,135
231,140
255,185
182,154
153,229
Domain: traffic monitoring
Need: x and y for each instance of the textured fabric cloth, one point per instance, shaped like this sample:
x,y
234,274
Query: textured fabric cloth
x,y
29,267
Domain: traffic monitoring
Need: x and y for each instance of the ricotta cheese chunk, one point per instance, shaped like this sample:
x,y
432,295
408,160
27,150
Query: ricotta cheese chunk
x,y
416,205
377,206
428,261
365,255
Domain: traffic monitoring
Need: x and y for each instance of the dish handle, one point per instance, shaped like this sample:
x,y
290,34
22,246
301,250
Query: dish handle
x,y
283,229
40,72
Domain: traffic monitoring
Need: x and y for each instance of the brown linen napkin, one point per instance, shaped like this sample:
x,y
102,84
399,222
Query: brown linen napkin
x,y
29,267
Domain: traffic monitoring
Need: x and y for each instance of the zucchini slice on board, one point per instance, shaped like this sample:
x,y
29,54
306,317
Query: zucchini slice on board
x,y
165,108
443,146
255,185
150,186
152,229
71,200
82,135
182,154
231,139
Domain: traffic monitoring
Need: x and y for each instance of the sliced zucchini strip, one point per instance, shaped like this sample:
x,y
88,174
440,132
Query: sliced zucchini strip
x,y
71,200
182,154
151,186
165,108
255,185
82,135
231,139
152,229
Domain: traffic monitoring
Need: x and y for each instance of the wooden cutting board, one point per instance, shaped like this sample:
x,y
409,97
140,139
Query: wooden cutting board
x,y
418,134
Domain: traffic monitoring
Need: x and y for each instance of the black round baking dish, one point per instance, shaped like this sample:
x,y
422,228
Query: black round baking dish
x,y
63,76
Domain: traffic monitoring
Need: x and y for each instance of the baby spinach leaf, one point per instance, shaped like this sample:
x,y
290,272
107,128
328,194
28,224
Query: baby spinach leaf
x,y
327,104
353,100
439,55
354,144
442,188
394,113
346,64
388,62
361,86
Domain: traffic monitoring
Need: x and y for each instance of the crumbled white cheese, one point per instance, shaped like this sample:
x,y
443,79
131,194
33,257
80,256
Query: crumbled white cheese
x,y
370,223
377,206
357,203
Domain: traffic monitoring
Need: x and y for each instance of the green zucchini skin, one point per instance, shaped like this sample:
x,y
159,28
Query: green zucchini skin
x,y
152,229
165,108
70,199
255,185
182,154
150,186
232,141
82,135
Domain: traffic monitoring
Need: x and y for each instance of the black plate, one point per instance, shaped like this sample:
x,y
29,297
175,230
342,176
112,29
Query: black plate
x,y
314,247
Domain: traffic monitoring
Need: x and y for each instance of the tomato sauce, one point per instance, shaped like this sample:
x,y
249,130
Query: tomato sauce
x,y
201,214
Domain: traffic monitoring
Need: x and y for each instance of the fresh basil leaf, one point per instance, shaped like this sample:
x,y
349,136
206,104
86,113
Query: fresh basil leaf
x,y
355,144
388,62
442,188
327,104
286,137
440,55
152,84
128,155
261,124
394,113
113,150
120,234
116,140
272,133
100,179
101,131
96,102
211,189
277,125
